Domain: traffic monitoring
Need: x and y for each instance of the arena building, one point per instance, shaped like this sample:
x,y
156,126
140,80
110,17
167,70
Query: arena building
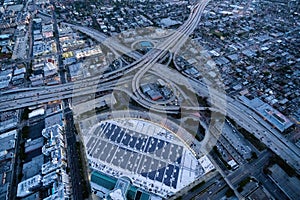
x,y
152,157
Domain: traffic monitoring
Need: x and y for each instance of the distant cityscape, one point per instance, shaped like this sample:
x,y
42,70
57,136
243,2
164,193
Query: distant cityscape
x,y
149,100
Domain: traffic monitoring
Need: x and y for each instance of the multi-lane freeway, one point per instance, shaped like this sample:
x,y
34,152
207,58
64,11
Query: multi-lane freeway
x,y
144,64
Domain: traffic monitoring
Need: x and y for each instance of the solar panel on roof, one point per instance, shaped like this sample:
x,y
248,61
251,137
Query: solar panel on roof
x,y
160,174
126,139
175,175
120,136
151,175
132,142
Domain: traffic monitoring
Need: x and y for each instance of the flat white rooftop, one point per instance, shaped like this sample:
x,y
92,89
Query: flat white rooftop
x,y
150,155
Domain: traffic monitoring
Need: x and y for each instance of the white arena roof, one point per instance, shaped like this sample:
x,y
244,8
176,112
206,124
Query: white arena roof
x,y
150,155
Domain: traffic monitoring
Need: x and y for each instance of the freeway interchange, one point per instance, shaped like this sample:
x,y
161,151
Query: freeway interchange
x,y
136,71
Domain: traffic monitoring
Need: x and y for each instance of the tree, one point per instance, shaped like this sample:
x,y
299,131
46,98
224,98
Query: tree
x,y
25,113
253,155
25,132
229,192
